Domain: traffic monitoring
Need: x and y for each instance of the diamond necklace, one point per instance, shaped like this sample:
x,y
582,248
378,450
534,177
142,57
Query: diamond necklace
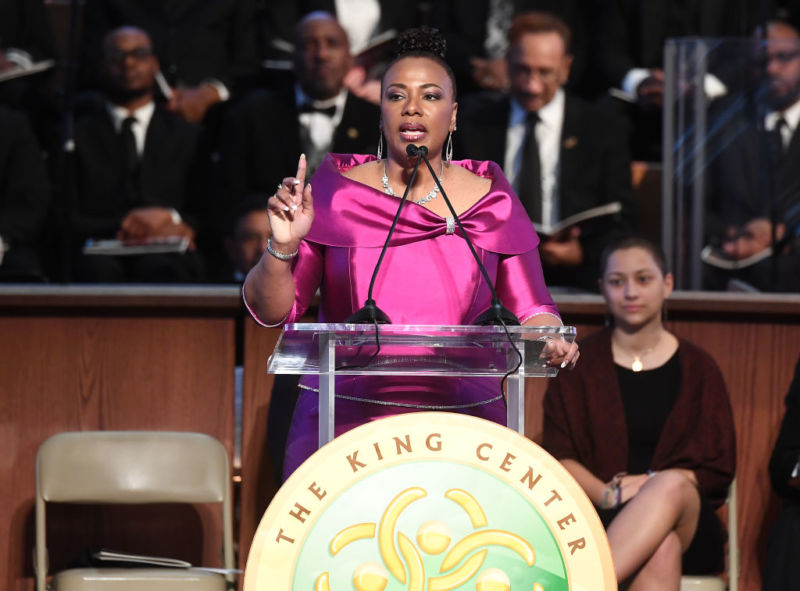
x,y
432,195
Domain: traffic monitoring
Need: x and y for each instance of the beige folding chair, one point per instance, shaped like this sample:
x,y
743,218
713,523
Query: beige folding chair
x,y
133,467
689,583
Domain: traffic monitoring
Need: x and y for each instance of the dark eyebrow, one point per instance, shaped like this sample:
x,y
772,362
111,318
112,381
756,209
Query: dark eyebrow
x,y
426,85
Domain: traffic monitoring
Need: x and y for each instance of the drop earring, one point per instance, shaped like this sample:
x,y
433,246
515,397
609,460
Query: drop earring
x,y
448,153
379,153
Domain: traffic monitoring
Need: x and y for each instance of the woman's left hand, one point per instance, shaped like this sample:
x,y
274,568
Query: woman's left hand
x,y
560,353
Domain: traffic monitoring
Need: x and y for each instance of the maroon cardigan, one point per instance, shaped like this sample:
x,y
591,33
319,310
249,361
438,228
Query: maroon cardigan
x,y
584,419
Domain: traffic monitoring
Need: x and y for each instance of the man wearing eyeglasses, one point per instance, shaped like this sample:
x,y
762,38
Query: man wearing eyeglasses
x,y
137,173
562,155
753,185
207,48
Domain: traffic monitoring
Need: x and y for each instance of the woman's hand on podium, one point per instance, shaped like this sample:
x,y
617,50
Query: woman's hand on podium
x,y
291,210
560,353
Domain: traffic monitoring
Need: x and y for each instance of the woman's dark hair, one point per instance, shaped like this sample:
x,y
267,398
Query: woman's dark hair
x,y
634,242
424,42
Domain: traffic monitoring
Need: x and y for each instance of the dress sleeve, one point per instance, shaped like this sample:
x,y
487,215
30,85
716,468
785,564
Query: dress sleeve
x,y
307,274
520,286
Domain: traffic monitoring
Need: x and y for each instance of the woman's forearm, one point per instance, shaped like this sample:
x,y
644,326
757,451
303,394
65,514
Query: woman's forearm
x,y
591,484
269,289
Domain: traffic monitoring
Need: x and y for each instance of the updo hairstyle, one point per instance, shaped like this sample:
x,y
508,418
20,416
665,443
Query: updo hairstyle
x,y
425,42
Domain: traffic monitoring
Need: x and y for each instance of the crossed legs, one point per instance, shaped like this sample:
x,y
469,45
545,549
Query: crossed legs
x,y
650,534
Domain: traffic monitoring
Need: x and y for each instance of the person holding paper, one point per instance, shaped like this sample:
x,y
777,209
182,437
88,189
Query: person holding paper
x,y
207,49
137,172
645,426
330,237
562,155
752,185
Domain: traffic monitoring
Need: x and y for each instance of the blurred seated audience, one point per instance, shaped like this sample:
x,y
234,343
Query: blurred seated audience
x,y
644,424
783,545
246,236
753,188
366,23
27,60
24,199
262,135
477,39
137,172
629,48
207,49
563,155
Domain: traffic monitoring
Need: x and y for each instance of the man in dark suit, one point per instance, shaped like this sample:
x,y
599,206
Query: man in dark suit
x,y
561,154
26,42
629,46
262,137
477,39
24,199
753,189
206,47
136,171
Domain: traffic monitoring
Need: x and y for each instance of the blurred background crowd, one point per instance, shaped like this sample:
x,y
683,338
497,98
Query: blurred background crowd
x,y
167,124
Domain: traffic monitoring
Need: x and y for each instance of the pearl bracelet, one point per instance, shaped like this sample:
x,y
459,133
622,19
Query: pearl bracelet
x,y
280,255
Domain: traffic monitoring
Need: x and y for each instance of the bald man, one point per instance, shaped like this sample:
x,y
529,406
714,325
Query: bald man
x,y
136,166
262,136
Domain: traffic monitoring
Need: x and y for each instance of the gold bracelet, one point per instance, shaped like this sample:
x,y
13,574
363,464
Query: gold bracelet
x,y
279,255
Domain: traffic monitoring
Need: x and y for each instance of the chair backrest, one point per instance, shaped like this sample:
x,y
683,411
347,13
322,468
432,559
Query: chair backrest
x,y
733,538
131,467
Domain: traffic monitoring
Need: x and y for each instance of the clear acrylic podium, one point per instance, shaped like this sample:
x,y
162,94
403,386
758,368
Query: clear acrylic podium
x,y
328,350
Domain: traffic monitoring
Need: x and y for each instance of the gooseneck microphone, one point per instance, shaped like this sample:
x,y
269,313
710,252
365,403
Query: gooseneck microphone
x,y
496,313
370,313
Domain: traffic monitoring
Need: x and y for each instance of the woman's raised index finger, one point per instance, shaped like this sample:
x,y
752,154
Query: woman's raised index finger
x,y
301,170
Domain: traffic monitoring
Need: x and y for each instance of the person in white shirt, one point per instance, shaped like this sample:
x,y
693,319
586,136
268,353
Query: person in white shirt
x,y
137,171
562,155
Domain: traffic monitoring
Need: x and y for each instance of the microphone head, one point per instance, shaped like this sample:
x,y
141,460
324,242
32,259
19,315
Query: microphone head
x,y
413,150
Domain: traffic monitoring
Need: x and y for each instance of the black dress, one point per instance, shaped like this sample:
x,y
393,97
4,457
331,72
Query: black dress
x,y
648,398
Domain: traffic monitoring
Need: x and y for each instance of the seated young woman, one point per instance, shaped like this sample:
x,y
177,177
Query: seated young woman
x,y
644,424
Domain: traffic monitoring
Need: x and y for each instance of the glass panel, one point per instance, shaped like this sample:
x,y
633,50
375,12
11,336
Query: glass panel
x,y
730,179
415,350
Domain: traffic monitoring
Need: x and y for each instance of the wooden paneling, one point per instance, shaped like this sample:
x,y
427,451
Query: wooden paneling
x,y
258,480
755,340
159,363
144,358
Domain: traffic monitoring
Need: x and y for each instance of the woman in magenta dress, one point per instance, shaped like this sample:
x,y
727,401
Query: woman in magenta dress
x,y
428,275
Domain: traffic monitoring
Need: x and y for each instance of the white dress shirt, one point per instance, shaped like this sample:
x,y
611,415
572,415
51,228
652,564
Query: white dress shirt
x,y
319,126
548,137
792,117
143,116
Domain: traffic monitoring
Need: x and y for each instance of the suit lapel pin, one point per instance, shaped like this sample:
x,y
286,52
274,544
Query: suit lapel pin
x,y
570,142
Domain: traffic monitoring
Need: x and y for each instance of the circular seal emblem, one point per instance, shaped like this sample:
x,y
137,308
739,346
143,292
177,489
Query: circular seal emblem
x,y
430,502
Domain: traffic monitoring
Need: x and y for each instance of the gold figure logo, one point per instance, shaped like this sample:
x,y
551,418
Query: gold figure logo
x,y
403,561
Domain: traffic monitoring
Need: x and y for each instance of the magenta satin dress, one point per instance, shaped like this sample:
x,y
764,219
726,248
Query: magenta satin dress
x,y
428,276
